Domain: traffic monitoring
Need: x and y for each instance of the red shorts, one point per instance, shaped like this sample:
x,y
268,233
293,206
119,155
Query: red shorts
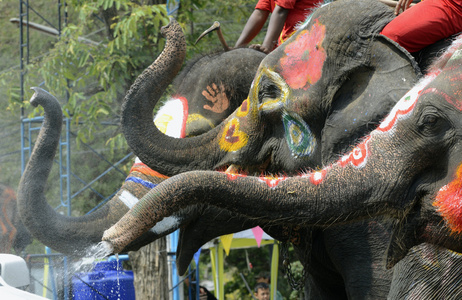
x,y
425,23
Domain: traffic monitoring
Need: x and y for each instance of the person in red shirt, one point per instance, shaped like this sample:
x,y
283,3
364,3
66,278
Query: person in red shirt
x,y
424,23
285,15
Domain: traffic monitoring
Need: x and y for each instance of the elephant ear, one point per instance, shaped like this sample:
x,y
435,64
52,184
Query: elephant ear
x,y
366,95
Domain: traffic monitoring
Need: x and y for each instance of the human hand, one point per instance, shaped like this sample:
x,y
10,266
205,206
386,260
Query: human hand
x,y
402,5
217,96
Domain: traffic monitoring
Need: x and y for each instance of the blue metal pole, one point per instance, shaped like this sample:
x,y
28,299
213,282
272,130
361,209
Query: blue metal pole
x,y
175,279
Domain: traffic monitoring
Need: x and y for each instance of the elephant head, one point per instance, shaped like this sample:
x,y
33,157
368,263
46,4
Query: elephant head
x,y
410,164
292,115
203,94
314,96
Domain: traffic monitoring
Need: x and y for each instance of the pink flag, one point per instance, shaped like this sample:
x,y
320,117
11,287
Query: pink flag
x,y
258,234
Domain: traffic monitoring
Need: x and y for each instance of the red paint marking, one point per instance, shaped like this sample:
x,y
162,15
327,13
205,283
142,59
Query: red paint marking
x,y
456,103
357,157
384,127
318,176
305,57
232,176
448,202
272,181
230,137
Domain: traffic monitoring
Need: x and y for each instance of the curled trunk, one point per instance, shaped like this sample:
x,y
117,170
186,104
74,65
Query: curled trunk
x,y
172,156
62,233
70,235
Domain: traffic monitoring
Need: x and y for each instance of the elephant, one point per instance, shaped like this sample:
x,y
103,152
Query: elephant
x,y
410,163
205,102
362,71
305,109
14,235
254,134
409,167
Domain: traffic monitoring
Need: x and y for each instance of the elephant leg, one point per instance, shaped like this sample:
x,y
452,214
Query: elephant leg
x,y
427,272
323,281
358,250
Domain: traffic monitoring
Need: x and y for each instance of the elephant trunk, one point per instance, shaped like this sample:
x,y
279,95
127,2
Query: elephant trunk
x,y
339,193
160,152
68,235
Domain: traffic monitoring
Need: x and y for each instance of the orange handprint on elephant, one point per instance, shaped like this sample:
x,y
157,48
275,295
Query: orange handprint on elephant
x,y
216,95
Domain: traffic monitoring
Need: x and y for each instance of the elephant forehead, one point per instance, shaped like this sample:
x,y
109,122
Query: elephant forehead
x,y
302,59
448,82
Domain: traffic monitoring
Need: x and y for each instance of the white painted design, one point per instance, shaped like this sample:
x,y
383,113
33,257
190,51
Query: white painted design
x,y
128,199
166,224
170,118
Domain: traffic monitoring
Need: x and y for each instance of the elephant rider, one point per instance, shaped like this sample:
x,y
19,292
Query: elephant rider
x,y
285,15
424,23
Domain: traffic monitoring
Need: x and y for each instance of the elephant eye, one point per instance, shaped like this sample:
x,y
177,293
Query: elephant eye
x,y
430,120
433,123
268,90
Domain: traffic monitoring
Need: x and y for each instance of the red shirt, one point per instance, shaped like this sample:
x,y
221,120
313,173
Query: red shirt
x,y
299,10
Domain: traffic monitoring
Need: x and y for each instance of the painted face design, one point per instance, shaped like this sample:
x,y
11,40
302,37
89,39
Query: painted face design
x,y
299,137
169,121
404,107
283,88
304,58
301,67
232,138
448,202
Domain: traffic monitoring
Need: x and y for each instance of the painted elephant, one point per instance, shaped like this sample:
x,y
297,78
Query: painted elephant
x,y
303,110
408,168
14,235
411,163
205,91
353,78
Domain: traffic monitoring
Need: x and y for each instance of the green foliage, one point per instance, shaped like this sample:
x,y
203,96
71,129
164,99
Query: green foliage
x,y
95,77
251,262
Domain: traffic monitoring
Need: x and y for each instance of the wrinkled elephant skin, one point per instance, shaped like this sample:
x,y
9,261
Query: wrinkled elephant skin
x,y
412,157
297,117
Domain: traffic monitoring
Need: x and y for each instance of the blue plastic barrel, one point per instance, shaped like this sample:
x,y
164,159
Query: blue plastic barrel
x,y
106,281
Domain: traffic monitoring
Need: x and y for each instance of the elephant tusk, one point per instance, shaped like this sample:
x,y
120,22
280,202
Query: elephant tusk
x,y
232,169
